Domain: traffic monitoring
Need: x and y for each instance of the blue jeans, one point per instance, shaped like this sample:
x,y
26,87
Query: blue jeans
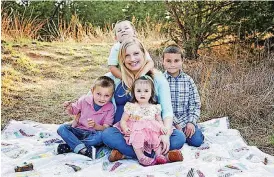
x,y
114,139
78,139
197,138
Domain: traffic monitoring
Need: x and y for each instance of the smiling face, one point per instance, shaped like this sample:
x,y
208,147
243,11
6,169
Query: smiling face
x,y
134,58
124,30
142,91
102,95
172,63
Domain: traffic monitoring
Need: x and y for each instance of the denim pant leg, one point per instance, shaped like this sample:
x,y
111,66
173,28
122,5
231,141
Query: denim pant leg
x,y
114,139
93,139
197,138
72,136
177,139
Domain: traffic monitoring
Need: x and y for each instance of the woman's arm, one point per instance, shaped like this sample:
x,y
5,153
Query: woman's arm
x,y
164,99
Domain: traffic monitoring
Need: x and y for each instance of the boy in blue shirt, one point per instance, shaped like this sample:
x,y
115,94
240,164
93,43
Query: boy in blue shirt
x,y
184,96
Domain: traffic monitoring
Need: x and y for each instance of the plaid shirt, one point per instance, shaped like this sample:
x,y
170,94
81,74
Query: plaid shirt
x,y
185,99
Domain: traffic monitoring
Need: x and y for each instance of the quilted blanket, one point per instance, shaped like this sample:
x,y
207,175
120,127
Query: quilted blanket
x,y
29,149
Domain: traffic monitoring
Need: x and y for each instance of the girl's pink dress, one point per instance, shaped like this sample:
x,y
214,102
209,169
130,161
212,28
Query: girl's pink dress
x,y
145,129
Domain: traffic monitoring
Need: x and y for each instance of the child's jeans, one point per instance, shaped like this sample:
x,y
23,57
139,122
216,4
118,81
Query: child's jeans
x,y
78,139
197,138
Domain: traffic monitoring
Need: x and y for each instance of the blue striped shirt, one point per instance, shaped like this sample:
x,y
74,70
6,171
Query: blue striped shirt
x,y
185,99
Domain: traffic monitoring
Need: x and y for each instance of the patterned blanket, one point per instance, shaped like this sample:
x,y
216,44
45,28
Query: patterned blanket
x,y
28,149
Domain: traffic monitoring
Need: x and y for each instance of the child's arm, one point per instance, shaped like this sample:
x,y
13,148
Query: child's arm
x,y
163,128
99,127
115,71
123,123
75,120
194,109
194,103
149,66
74,108
108,121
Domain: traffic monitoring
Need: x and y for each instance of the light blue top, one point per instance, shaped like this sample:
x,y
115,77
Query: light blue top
x,y
114,52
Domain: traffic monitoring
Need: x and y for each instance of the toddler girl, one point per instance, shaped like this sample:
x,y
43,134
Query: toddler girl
x,y
142,124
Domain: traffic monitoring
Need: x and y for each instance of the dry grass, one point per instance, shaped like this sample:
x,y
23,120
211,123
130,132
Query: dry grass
x,y
16,26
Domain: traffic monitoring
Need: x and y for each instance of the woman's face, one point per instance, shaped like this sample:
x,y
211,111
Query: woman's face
x,y
134,58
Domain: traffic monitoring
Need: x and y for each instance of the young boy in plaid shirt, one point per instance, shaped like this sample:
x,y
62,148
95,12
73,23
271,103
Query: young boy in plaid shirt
x,y
184,96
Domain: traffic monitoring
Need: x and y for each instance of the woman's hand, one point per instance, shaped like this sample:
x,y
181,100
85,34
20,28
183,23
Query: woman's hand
x,y
166,143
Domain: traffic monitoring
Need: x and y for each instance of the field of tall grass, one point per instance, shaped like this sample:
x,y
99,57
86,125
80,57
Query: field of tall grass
x,y
234,80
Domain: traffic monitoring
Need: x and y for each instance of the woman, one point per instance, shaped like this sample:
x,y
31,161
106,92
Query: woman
x,y
132,60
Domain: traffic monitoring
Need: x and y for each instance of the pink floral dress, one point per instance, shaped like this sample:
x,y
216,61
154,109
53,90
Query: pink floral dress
x,y
145,129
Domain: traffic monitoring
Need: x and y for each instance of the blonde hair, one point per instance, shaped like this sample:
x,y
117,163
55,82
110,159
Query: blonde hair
x,y
127,76
104,82
120,21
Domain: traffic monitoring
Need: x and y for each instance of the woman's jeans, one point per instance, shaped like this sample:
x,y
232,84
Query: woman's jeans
x,y
78,139
114,139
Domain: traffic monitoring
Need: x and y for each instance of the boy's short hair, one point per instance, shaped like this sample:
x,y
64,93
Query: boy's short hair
x,y
173,49
105,82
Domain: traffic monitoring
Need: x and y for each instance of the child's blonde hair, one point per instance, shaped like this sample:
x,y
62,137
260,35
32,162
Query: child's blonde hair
x,y
104,82
127,76
120,21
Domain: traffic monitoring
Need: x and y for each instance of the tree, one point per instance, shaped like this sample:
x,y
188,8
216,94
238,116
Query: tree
x,y
207,23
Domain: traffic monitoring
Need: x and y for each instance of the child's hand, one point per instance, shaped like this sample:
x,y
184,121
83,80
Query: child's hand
x,y
164,130
91,123
126,131
67,104
179,127
189,130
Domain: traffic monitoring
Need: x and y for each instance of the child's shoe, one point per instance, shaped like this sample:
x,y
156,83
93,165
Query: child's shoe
x,y
175,156
89,152
63,148
146,161
160,159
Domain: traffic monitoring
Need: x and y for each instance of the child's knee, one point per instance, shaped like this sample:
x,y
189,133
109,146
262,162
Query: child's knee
x,y
62,128
196,140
